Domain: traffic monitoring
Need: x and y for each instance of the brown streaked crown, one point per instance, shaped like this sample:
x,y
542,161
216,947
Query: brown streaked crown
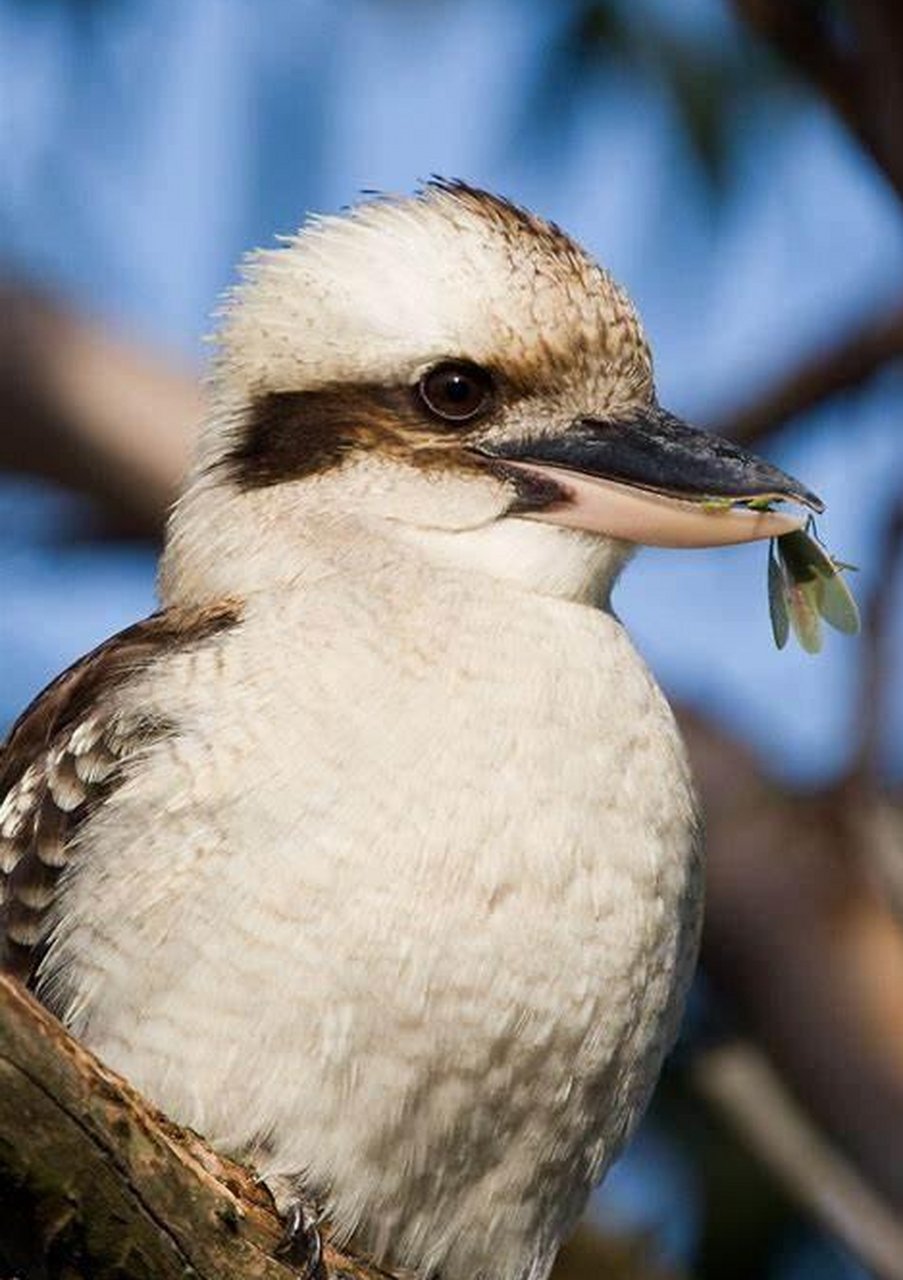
x,y
325,344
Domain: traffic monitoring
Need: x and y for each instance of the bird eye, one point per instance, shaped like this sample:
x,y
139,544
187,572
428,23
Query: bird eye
x,y
456,390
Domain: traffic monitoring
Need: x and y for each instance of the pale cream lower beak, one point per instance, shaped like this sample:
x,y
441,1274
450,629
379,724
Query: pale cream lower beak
x,y
653,519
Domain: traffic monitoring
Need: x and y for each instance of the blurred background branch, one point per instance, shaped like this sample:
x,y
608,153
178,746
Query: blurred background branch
x,y
739,1080
835,368
880,651
92,412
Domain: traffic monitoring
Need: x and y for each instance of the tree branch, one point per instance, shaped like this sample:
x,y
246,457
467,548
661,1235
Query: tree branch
x,y
878,25
742,1084
83,408
96,1184
805,948
839,367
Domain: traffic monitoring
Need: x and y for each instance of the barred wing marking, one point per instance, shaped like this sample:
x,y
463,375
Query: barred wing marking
x,y
63,758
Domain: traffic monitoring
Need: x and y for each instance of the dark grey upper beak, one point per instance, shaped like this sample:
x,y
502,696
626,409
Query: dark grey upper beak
x,y
654,450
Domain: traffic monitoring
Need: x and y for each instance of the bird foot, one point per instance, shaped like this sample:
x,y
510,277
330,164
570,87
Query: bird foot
x,y
301,1245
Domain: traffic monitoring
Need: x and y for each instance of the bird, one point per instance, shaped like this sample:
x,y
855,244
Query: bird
x,y
374,855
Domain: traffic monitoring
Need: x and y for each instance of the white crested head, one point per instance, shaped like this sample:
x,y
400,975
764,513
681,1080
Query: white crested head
x,y
388,288
451,374
317,416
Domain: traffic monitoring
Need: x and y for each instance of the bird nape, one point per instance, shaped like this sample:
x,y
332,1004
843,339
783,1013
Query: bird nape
x,y
374,855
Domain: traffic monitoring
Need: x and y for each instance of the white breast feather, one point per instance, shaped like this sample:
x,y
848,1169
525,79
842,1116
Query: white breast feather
x,y
440,879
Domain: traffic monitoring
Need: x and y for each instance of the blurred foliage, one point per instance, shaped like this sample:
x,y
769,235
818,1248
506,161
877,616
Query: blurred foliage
x,y
714,73
713,84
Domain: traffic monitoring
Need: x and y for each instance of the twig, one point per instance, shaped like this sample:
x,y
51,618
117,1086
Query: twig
x,y
739,1080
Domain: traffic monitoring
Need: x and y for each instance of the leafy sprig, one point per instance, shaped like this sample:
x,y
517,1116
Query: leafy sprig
x,y
805,586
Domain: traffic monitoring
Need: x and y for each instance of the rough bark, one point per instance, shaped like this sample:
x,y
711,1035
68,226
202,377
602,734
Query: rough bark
x,y
96,1184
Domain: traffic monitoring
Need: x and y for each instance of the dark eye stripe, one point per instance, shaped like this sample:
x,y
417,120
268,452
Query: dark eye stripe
x,y
288,435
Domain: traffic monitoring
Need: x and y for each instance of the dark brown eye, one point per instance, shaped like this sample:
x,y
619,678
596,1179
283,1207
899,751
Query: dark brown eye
x,y
456,390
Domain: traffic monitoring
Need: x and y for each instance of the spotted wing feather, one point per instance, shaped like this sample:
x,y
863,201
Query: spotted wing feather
x,y
62,759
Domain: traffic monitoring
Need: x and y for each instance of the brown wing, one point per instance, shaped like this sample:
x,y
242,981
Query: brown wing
x,y
62,759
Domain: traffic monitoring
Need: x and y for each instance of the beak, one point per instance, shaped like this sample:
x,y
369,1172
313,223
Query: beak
x,y
654,480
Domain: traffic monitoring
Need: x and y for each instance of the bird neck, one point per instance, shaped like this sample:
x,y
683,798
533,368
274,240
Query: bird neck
x,y
539,558
221,543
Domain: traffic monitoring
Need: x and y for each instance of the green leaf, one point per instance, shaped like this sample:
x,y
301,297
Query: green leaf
x,y
777,602
806,585
837,606
809,562
804,614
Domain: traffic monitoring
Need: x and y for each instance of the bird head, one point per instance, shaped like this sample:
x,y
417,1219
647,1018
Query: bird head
x,y
459,373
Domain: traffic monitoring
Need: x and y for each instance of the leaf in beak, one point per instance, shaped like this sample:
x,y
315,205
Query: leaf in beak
x,y
838,608
777,599
836,603
804,615
805,585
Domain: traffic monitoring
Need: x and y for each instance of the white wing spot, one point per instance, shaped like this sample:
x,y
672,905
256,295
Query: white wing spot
x,y
37,897
18,803
10,853
65,786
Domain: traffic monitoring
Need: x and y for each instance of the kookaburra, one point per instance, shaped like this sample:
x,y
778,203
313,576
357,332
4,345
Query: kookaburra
x,y
374,856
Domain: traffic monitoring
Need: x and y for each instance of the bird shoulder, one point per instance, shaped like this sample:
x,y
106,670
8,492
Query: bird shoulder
x,y
62,759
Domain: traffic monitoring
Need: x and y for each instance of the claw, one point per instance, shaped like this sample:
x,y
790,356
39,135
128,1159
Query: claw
x,y
301,1244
